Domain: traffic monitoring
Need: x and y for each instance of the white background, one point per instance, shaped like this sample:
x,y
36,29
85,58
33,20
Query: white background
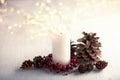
x,y
16,48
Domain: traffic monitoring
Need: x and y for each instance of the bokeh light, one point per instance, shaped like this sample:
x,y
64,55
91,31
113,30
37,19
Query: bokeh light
x,y
54,14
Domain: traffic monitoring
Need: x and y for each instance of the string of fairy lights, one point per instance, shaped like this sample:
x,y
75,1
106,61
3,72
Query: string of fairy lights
x,y
50,14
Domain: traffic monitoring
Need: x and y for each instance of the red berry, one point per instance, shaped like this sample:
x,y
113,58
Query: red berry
x,y
50,68
58,65
64,68
69,66
58,70
77,61
73,60
50,63
75,65
50,55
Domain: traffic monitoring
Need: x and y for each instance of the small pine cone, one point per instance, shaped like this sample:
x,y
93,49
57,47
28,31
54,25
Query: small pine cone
x,y
38,62
90,66
86,67
82,68
100,65
26,64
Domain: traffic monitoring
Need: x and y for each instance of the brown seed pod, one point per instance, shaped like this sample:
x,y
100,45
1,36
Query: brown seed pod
x,y
88,47
100,65
26,64
90,66
82,68
38,62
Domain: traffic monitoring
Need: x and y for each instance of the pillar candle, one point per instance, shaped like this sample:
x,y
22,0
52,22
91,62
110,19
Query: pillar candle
x,y
61,47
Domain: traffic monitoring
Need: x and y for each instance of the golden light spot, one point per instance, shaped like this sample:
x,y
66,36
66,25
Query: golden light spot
x,y
78,4
1,19
19,25
11,32
49,1
9,27
18,11
12,9
61,4
42,4
29,17
15,25
2,1
39,12
37,4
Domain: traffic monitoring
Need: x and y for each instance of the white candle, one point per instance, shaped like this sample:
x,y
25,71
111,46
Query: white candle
x,y
61,47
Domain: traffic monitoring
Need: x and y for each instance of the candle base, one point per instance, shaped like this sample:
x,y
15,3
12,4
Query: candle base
x,y
61,61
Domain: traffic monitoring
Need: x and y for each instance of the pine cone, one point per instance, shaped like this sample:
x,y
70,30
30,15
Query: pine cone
x,y
86,67
100,65
38,62
90,66
82,68
88,47
26,64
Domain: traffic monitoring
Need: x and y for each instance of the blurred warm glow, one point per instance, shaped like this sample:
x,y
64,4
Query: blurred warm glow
x,y
51,14
2,1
